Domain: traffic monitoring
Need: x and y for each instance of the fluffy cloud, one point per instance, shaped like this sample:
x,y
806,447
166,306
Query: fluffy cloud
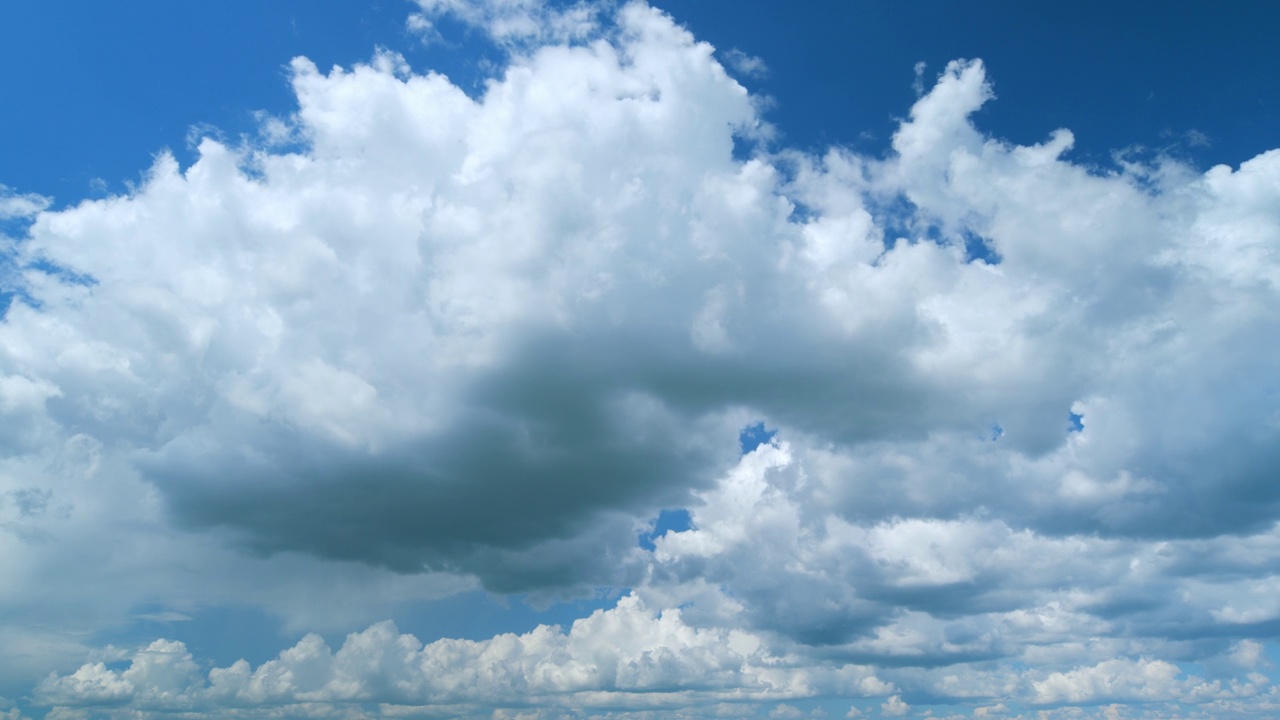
x,y
655,659
412,340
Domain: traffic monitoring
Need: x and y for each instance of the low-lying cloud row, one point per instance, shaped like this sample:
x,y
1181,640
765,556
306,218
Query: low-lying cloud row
x,y
409,340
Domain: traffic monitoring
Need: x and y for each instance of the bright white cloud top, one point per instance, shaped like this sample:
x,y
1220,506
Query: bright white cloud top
x,y
408,341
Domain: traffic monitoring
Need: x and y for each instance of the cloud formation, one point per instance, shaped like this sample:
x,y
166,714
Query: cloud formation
x,y
628,654
411,339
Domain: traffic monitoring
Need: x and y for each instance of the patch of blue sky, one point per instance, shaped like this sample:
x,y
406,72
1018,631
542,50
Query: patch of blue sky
x,y
7,298
671,520
979,249
479,615
754,435
679,519
218,634
65,275
104,102
12,288
1117,75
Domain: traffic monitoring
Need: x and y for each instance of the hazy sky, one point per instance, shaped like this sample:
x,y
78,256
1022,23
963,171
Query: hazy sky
x,y
698,359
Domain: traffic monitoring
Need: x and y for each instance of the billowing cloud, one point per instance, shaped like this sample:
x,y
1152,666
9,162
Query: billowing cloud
x,y
411,340
627,654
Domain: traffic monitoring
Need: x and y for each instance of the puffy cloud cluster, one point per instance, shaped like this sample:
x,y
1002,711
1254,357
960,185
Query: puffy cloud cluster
x,y
768,547
412,338
653,659
433,322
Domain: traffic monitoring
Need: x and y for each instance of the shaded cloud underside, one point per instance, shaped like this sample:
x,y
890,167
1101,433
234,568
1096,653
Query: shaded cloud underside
x,y
453,338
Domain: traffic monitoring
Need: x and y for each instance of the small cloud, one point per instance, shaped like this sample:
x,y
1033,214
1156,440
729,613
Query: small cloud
x,y
786,712
20,206
421,27
746,65
197,132
1248,654
418,23
1195,138
164,616
275,131
894,707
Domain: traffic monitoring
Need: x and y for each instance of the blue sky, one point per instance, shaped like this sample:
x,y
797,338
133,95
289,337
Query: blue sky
x,y
694,359
116,83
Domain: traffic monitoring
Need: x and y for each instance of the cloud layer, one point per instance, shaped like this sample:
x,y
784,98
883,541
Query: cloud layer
x,y
408,340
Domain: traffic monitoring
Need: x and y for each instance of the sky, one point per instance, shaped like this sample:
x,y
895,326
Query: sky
x,y
501,359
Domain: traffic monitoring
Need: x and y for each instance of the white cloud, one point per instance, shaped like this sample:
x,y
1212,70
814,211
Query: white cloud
x,y
628,654
1248,654
14,205
489,337
746,65
1112,680
786,712
894,707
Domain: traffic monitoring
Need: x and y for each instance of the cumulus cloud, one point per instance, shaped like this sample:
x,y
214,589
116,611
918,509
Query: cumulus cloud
x,y
1026,409
655,658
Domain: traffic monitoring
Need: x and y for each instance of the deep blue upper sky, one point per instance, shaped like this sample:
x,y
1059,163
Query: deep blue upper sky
x,y
1116,74
93,90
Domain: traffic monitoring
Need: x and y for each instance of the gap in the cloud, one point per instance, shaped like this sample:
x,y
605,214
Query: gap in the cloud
x,y
11,285
11,229
977,249
480,615
10,279
896,216
743,149
65,275
15,227
672,520
801,213
750,438
994,431
9,293
754,435
463,54
1076,422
